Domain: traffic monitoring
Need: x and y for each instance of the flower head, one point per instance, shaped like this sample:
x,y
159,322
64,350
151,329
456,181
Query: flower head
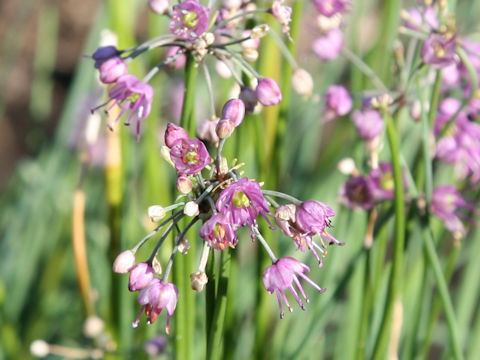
x,y
446,203
219,233
190,156
129,93
156,297
337,102
357,192
241,202
439,50
140,276
368,122
283,275
328,46
189,20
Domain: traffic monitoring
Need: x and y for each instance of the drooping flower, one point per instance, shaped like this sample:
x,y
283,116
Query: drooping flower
x,y
357,192
189,20
331,7
241,202
190,156
112,69
156,297
337,102
124,262
140,276
268,92
174,133
368,122
283,275
446,204
328,46
313,219
219,233
438,50
129,93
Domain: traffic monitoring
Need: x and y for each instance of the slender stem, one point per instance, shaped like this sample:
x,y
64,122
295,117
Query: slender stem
x,y
283,196
160,242
395,285
243,14
283,49
208,81
187,120
265,244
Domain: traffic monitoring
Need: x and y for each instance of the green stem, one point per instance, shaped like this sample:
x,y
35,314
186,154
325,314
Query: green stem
x,y
187,120
395,285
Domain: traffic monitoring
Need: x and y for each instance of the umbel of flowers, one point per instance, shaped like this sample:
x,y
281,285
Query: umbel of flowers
x,y
224,201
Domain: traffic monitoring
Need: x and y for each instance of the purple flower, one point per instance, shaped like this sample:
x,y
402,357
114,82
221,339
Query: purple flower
x,y
337,102
241,202
249,98
357,192
219,233
268,93
446,203
421,18
331,7
174,133
189,20
129,93
313,219
381,182
283,275
234,110
140,276
156,297
439,51
190,156
328,46
112,69
368,122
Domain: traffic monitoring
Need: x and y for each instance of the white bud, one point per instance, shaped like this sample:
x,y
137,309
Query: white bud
x,y
346,166
93,127
165,152
260,31
157,267
191,209
124,262
223,166
93,326
156,213
209,38
222,69
184,246
198,280
302,82
250,55
39,348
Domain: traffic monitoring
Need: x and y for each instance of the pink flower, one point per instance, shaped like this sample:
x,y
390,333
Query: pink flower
x,y
129,93
283,14
219,233
241,202
190,156
446,203
331,7
140,276
174,133
234,110
112,69
268,93
189,20
178,58
328,46
368,122
124,262
283,275
206,131
381,181
337,102
156,297
357,192
422,18
439,51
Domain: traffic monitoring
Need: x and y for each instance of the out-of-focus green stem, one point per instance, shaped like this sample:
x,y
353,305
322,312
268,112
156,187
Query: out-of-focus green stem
x,y
395,285
188,110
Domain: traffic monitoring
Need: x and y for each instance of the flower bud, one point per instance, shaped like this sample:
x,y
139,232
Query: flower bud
x,y
159,6
251,43
180,59
232,4
251,55
346,166
156,346
124,262
184,246
206,131
222,69
268,93
39,348
191,209
112,69
260,31
302,82
249,98
198,280
156,213
234,110
225,128
140,276
184,184
93,326
165,153
416,110
157,266
174,133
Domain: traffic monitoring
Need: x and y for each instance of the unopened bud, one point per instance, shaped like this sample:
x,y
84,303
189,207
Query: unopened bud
x,y
346,166
416,110
159,6
198,280
39,348
302,82
140,276
222,69
251,55
327,23
260,31
184,246
174,133
209,38
157,267
184,184
165,153
249,98
268,92
234,110
223,166
250,43
191,209
156,213
232,4
225,128
112,69
124,262
93,326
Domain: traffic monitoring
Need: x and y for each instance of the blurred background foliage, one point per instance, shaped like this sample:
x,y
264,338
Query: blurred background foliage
x,y
47,90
